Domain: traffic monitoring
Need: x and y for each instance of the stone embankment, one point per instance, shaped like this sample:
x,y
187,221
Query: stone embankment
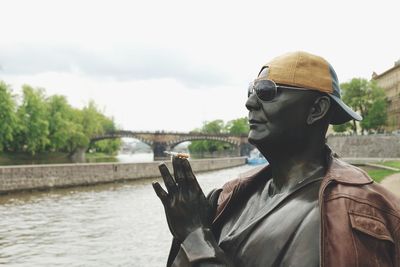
x,y
366,146
32,177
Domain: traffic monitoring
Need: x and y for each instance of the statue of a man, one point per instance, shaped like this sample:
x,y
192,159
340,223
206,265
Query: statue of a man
x,y
306,208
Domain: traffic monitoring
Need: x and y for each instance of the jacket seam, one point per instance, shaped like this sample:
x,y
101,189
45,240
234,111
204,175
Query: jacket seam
x,y
374,235
366,215
363,201
355,247
397,230
387,237
397,245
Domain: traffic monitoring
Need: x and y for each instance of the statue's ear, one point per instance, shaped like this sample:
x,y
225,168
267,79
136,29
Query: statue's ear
x,y
319,109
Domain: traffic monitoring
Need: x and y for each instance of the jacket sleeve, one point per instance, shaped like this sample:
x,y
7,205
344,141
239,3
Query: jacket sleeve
x,y
199,249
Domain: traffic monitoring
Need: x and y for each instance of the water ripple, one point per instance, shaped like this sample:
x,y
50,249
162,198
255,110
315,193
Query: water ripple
x,y
119,224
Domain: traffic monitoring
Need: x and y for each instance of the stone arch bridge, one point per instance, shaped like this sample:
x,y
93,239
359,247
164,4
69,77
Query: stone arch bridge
x,y
160,141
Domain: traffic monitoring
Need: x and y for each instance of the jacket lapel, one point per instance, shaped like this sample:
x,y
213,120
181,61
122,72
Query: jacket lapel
x,y
238,190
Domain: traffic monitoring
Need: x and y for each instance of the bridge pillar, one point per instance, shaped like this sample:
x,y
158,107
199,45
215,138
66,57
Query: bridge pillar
x,y
158,151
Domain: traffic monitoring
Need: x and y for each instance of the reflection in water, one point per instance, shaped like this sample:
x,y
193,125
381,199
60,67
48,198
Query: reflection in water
x,y
119,224
62,158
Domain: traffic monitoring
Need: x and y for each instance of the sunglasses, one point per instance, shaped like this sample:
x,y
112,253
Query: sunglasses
x,y
266,90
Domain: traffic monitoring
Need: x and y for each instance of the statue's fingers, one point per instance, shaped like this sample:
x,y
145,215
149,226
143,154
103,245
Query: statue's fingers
x,y
163,196
167,177
191,178
179,174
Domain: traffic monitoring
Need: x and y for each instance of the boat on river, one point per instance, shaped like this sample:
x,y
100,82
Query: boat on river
x,y
256,158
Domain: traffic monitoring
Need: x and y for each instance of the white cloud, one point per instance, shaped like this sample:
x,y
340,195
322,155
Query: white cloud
x,y
162,104
121,63
146,61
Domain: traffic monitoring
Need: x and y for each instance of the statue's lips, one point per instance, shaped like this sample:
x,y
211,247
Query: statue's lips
x,y
254,123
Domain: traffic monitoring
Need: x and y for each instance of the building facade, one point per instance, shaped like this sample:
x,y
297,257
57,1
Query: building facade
x,y
390,82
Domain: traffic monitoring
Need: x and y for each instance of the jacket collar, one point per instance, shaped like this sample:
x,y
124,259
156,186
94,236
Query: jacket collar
x,y
344,173
338,171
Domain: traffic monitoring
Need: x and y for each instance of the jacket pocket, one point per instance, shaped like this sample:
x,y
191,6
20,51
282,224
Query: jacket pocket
x,y
373,242
370,225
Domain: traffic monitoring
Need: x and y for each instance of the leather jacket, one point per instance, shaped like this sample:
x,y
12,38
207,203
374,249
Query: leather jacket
x,y
360,221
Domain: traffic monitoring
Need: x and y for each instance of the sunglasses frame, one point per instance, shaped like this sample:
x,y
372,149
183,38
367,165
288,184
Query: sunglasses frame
x,y
251,89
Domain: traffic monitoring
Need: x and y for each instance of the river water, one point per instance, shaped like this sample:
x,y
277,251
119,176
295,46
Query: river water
x,y
120,224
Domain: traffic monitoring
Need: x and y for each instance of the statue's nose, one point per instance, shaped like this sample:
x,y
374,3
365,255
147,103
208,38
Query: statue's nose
x,y
252,103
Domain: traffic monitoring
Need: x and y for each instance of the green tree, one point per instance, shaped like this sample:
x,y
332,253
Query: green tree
x,y
60,119
213,127
362,95
238,126
7,115
92,120
376,118
50,124
33,124
77,137
341,128
201,146
96,123
108,146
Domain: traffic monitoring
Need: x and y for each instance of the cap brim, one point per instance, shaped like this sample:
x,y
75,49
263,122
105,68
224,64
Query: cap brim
x,y
344,113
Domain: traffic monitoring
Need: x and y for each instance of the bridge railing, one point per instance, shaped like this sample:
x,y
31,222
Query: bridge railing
x,y
132,133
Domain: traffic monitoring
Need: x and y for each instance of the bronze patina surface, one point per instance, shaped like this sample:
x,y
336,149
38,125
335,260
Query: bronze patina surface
x,y
304,208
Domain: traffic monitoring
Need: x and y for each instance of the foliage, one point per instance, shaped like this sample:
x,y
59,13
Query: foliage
x,y
369,100
341,128
61,124
95,123
201,146
92,120
235,127
50,124
109,146
8,118
376,116
32,115
238,126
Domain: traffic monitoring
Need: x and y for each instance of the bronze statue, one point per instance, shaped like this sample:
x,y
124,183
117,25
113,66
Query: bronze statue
x,y
306,208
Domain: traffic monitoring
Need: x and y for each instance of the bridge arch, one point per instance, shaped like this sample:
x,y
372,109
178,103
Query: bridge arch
x,y
174,143
122,134
160,141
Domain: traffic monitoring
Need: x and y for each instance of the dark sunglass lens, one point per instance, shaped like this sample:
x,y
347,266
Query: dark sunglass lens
x,y
265,90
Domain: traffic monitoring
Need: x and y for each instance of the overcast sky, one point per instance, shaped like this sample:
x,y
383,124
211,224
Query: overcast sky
x,y
170,65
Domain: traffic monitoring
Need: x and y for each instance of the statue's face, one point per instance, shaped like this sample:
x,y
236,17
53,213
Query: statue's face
x,y
280,121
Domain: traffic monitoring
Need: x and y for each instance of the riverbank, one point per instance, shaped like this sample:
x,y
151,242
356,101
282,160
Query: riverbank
x,y
37,177
377,168
8,159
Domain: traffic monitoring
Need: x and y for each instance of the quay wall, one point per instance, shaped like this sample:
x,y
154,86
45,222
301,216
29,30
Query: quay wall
x,y
366,146
33,177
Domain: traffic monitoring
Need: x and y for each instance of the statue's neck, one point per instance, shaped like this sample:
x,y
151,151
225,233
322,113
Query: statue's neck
x,y
291,166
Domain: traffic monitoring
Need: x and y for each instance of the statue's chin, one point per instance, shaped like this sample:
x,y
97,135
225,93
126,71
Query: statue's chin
x,y
258,138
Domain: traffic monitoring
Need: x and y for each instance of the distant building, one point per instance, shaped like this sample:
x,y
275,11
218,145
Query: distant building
x,y
390,82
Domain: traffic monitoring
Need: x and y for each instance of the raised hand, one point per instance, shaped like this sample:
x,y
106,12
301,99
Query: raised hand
x,y
185,204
